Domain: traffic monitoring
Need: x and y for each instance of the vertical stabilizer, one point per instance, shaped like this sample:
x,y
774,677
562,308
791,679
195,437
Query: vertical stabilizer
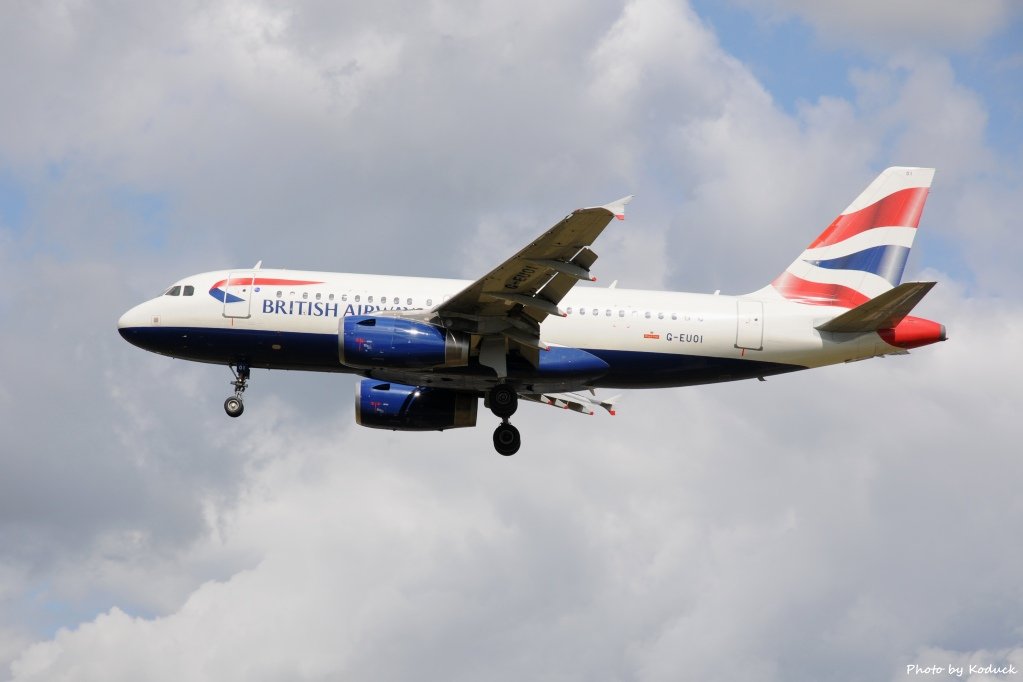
x,y
863,252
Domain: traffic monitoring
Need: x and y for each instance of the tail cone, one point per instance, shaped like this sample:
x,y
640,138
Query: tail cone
x,y
913,332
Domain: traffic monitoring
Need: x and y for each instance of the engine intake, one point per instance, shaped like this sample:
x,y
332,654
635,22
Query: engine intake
x,y
386,405
394,342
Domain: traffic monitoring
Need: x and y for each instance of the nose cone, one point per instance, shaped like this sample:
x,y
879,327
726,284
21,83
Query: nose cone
x,y
132,322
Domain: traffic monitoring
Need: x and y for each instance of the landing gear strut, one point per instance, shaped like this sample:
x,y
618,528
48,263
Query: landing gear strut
x,y
503,401
234,405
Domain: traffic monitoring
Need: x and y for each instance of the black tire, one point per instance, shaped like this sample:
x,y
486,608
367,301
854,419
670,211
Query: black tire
x,y
507,440
503,401
234,406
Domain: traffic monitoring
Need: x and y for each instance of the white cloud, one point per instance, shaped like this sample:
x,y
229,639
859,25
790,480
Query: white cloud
x,y
718,551
714,531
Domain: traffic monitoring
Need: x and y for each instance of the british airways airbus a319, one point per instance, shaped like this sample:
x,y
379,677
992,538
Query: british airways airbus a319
x,y
429,349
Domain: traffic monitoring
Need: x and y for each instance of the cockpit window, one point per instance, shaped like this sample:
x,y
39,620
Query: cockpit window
x,y
174,291
189,290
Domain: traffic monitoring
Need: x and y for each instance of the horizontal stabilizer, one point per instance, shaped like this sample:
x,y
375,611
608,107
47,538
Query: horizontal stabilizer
x,y
881,312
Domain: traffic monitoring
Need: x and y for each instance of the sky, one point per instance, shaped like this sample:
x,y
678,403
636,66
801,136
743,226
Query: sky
x,y
845,523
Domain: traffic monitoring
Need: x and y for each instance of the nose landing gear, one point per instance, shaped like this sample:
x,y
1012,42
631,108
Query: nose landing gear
x,y
234,405
503,401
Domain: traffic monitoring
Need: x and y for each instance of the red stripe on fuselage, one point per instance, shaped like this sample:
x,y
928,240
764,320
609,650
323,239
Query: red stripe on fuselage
x,y
817,293
262,281
900,209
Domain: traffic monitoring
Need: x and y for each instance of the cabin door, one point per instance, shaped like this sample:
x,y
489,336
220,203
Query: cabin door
x,y
750,330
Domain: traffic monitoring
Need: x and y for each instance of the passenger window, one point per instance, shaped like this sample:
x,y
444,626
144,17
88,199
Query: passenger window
x,y
279,293
305,294
369,299
621,313
568,310
189,290
429,301
318,296
408,301
647,314
674,316
357,298
330,297
173,291
582,311
397,300
660,316
608,313
344,298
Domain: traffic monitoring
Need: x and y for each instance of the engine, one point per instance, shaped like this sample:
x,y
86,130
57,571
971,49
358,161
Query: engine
x,y
385,405
394,342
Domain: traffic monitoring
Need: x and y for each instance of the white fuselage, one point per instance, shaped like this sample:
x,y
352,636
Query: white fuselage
x,y
746,332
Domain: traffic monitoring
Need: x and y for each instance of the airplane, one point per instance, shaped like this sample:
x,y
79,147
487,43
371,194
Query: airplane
x,y
428,349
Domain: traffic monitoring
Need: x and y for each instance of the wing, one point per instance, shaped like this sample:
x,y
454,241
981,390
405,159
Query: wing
x,y
507,305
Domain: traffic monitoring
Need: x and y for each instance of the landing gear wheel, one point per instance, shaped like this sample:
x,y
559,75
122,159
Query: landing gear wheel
x,y
234,406
507,439
503,401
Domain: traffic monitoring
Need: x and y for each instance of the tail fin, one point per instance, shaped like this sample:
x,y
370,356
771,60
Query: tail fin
x,y
863,252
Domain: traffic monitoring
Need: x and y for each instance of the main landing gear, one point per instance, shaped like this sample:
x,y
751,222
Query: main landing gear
x,y
503,401
234,405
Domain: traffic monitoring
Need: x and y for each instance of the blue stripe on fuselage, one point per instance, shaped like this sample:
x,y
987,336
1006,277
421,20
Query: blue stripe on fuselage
x,y
319,352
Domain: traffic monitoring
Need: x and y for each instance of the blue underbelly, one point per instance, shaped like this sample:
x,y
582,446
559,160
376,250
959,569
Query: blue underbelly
x,y
319,352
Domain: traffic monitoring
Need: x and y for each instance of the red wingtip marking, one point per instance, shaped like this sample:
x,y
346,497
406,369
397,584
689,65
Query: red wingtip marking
x,y
620,216
593,279
612,412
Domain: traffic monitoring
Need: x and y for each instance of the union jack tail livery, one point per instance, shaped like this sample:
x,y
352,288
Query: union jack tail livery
x,y
863,252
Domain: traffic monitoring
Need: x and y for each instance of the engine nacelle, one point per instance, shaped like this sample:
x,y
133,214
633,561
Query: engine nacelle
x,y
386,405
394,342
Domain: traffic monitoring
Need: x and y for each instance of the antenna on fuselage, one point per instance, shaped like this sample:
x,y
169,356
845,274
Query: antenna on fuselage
x,y
258,265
